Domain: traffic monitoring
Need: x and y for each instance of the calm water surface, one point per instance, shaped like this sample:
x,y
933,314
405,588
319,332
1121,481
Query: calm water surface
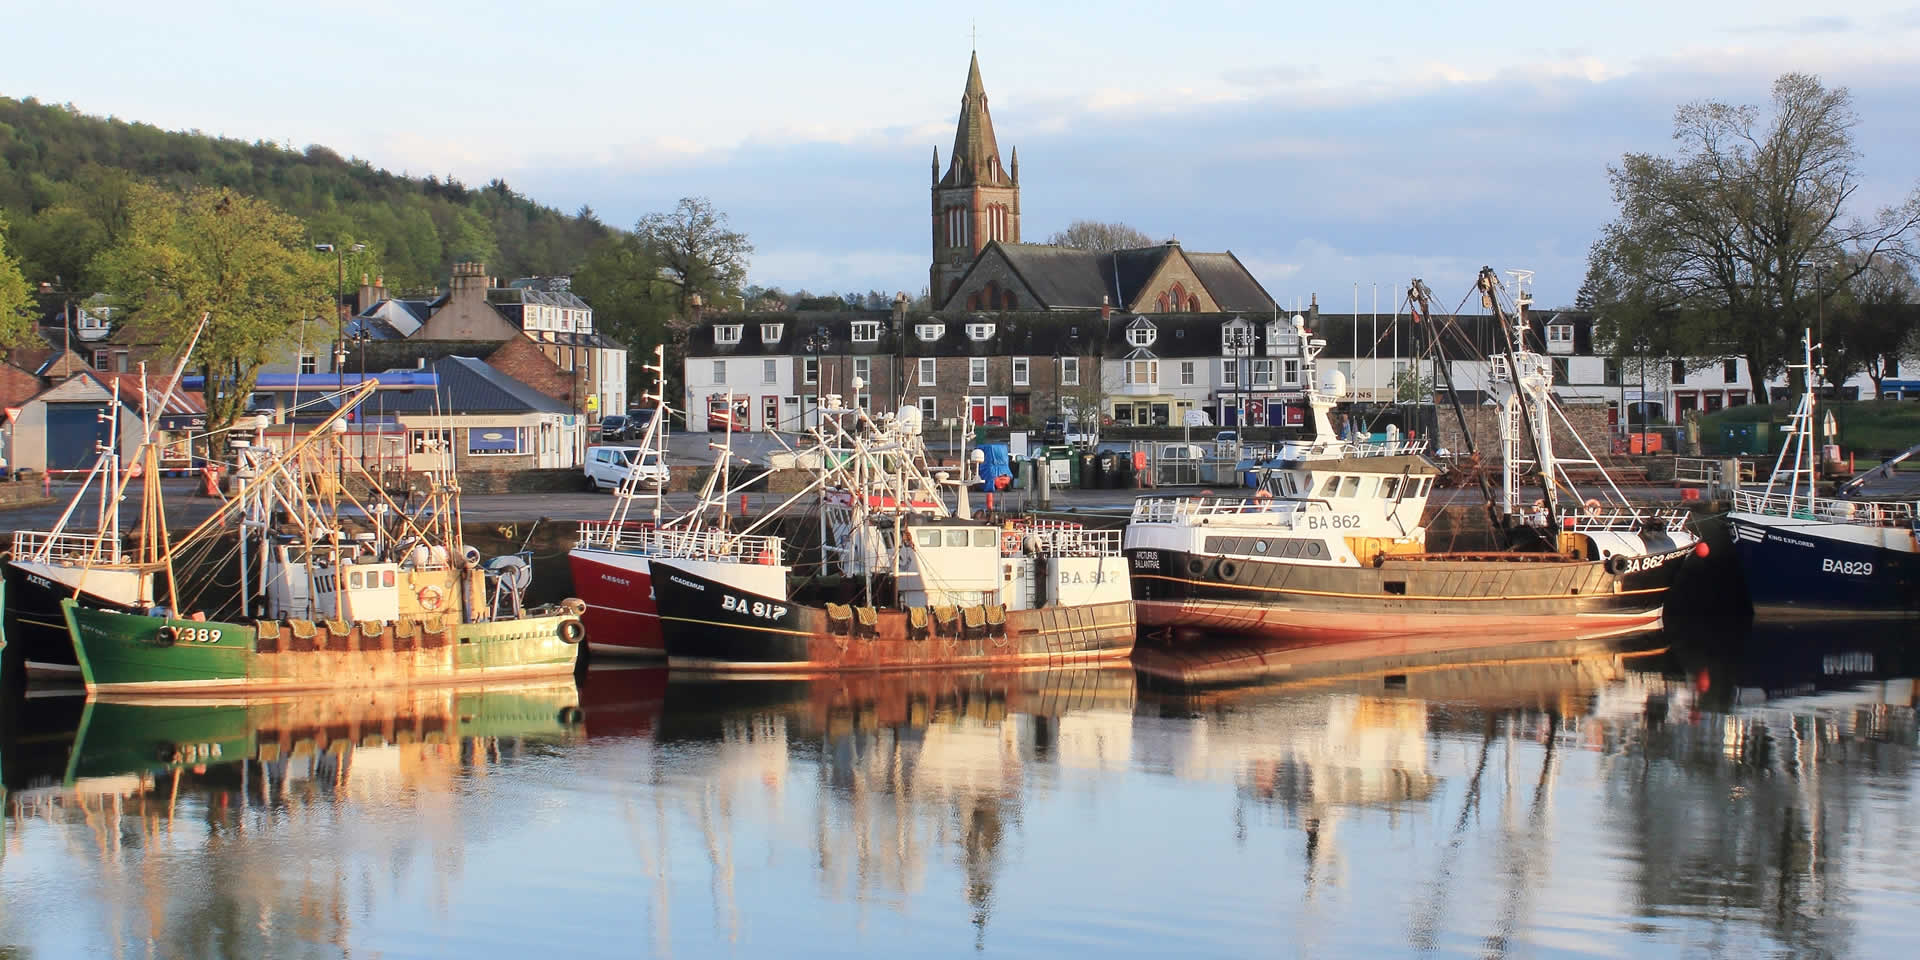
x,y
1743,796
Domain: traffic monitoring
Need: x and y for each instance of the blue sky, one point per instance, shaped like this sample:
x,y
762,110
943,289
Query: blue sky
x,y
1328,145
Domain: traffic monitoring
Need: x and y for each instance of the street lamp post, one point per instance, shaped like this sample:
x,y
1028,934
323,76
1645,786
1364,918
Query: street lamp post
x,y
1640,346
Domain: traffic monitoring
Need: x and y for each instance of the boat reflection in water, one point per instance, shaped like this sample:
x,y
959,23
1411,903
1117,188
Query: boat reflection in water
x,y
1739,795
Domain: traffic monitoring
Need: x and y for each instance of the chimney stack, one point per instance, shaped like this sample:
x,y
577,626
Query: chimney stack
x,y
899,309
695,307
365,298
469,281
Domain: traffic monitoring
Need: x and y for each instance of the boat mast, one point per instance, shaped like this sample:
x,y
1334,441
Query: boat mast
x,y
1419,293
1800,429
1532,413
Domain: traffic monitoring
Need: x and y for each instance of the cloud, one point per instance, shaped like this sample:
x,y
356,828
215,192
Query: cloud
x,y
1800,27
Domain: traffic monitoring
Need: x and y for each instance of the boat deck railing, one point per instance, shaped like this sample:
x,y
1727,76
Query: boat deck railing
x,y
697,544
1052,538
1335,449
1187,509
1862,513
67,547
1624,519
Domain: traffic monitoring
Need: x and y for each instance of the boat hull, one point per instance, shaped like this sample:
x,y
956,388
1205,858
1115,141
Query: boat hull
x,y
711,626
135,653
1403,605
622,618
34,625
1810,568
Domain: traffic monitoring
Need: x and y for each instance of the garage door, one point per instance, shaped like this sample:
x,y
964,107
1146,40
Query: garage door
x,y
73,430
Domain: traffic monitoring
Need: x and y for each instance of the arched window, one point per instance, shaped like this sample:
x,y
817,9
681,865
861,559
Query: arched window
x,y
1193,304
1008,298
1161,304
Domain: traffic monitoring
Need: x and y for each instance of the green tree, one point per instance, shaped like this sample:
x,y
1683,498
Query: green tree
x,y
697,254
1871,323
16,301
234,258
1100,236
1714,249
631,304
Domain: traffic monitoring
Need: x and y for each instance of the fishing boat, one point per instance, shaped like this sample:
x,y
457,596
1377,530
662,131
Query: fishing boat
x,y
1804,554
1333,547
335,591
93,566
612,560
904,580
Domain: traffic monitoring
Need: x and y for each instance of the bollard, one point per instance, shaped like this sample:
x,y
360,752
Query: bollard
x,y
743,504
1043,484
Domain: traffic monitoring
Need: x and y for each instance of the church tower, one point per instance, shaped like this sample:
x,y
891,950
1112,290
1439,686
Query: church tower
x,y
977,201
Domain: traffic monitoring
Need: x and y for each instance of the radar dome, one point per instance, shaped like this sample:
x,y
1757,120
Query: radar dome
x,y
907,421
1333,383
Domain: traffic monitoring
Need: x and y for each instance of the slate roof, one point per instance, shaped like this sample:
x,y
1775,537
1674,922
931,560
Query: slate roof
x,y
1064,278
468,386
131,397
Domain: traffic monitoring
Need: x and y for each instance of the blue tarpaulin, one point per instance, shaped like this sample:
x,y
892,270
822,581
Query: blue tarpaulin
x,y
995,466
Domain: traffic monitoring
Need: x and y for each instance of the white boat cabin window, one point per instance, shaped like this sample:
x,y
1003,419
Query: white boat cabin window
x,y
1331,487
1390,488
1349,486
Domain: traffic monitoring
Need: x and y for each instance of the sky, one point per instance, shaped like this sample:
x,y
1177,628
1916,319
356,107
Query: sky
x,y
1334,148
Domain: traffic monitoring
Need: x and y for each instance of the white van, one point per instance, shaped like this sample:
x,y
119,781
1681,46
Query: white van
x,y
607,466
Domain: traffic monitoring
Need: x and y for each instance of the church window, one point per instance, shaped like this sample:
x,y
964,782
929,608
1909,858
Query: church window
x,y
727,333
1160,305
1008,301
930,332
1019,371
980,331
1193,304
866,331
1069,371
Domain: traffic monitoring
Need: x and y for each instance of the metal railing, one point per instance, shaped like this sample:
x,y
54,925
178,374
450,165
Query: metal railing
x,y
67,547
1184,509
1705,471
700,545
1624,519
1055,538
1863,513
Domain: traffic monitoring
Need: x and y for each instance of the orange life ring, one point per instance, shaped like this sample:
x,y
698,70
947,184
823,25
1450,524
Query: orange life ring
x,y
431,597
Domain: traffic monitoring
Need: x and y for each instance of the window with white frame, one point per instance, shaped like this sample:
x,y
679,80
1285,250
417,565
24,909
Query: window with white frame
x,y
1143,372
1186,373
927,410
809,370
769,371
1262,373
866,331
770,332
1281,338
977,372
719,371
1142,333
1236,339
1069,371
927,370
309,363
430,440
929,332
1559,333
863,368
980,331
1019,371
1290,371
102,360
727,333
1230,373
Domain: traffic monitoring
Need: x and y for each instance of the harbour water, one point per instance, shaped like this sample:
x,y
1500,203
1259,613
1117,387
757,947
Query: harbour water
x,y
1734,794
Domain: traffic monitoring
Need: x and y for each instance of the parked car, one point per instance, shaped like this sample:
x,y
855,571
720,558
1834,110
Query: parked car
x,y
638,421
1227,437
613,427
607,466
718,418
1054,429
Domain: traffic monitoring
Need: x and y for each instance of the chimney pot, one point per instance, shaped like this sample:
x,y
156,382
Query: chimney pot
x,y
1106,308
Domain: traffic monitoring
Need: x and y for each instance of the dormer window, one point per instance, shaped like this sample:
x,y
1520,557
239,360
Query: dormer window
x,y
1560,333
1142,333
1236,339
727,333
980,332
770,332
1281,338
929,332
866,331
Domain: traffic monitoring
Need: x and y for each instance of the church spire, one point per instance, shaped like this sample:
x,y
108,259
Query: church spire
x,y
976,157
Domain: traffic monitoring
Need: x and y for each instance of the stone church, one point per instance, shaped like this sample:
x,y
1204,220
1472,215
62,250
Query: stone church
x,y
980,263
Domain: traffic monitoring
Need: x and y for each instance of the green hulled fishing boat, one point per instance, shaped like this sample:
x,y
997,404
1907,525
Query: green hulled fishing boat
x,y
133,653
